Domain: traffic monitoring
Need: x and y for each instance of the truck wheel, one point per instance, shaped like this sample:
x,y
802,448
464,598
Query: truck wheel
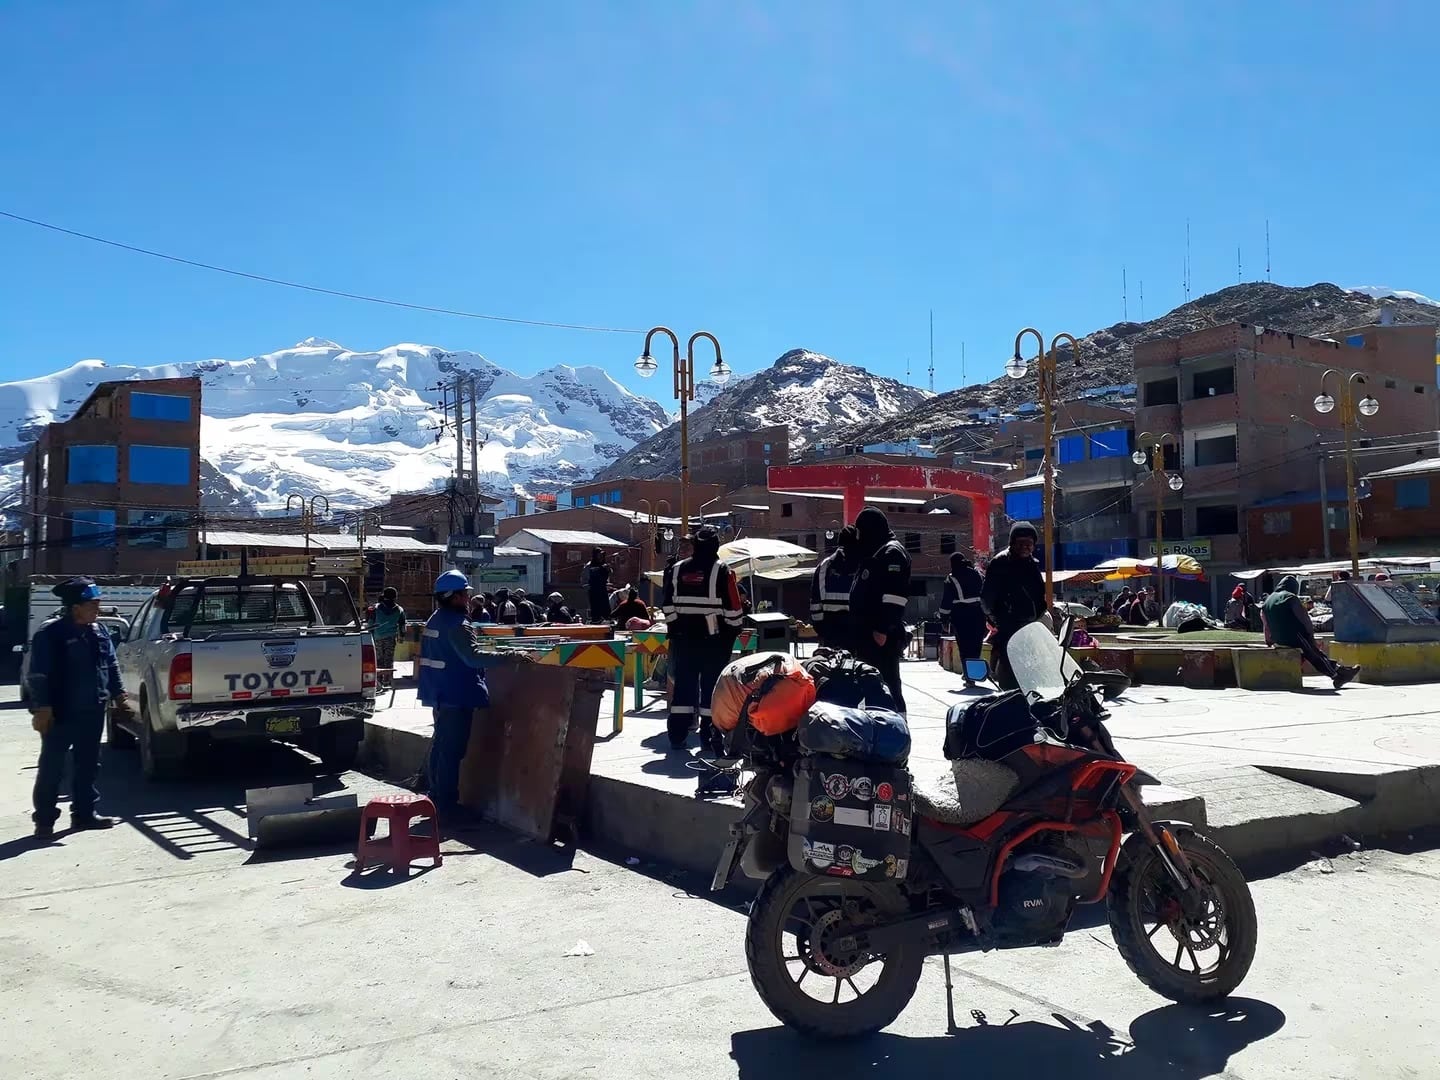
x,y
338,746
162,753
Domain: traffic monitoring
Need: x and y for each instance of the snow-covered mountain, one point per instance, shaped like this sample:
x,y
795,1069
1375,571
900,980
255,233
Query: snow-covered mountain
x,y
812,394
359,426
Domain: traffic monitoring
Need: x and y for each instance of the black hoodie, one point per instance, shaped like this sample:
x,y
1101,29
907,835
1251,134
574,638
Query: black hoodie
x,y
1014,592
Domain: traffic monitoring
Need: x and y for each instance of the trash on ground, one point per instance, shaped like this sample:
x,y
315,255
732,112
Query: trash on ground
x,y
581,948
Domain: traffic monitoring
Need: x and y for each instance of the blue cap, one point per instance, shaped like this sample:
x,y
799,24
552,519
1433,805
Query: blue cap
x,y
77,590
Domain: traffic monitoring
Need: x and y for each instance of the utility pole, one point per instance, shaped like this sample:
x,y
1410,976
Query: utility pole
x,y
459,432
474,487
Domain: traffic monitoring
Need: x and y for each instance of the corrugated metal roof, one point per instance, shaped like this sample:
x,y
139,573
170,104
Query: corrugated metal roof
x,y
516,553
1410,468
569,536
318,541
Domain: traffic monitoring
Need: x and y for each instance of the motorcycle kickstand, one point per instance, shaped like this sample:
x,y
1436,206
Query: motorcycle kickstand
x,y
949,998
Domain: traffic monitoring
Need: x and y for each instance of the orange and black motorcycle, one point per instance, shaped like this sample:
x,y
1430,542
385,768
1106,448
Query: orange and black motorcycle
x,y
868,870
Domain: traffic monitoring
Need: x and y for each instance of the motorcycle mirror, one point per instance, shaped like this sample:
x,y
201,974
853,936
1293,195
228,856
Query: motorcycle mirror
x,y
977,670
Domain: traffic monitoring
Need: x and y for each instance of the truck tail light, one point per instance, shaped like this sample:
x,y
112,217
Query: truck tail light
x,y
180,670
367,666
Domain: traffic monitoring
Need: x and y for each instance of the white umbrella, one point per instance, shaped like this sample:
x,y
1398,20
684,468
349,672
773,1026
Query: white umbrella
x,y
761,554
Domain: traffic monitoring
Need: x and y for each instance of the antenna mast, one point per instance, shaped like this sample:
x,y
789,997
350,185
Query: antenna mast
x,y
1187,260
1142,299
1267,249
962,363
932,350
1239,273
1124,295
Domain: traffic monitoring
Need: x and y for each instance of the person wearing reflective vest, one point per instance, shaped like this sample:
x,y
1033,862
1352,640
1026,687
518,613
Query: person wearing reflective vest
x,y
701,601
452,682
960,610
830,592
878,597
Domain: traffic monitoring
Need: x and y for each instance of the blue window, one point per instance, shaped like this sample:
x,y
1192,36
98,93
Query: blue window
x,y
615,496
1085,554
159,407
1412,494
582,500
1037,454
1072,448
92,528
1111,443
160,465
1024,505
92,465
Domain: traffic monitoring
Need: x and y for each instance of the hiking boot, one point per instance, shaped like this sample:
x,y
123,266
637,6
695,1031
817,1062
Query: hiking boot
x,y
80,822
45,830
1344,675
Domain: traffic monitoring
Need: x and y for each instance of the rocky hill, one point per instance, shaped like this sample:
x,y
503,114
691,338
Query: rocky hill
x,y
812,394
1107,360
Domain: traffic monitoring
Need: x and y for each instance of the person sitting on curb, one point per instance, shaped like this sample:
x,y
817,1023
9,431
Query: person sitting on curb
x,y
1287,625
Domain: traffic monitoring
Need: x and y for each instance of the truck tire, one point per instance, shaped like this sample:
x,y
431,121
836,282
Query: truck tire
x,y
162,753
338,745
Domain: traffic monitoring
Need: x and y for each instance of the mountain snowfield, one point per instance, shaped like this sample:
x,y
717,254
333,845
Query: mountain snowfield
x,y
360,426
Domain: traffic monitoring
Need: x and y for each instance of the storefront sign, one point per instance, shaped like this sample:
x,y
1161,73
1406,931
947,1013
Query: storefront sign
x,y
1199,550
497,575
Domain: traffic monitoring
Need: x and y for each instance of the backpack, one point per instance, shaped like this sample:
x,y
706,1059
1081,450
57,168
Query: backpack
x,y
770,690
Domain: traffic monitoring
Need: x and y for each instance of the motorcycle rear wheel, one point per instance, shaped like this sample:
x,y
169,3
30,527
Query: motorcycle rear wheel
x,y
787,954
1147,919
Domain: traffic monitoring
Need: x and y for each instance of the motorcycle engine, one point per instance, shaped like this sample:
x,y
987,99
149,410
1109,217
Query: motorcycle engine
x,y
1037,893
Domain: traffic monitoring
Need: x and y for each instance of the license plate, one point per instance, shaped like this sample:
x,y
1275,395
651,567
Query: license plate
x,y
282,725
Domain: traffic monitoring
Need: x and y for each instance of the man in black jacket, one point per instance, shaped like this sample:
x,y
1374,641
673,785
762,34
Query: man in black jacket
x,y
1013,596
878,596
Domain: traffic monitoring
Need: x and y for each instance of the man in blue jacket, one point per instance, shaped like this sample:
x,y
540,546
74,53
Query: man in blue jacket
x,y
452,683
73,678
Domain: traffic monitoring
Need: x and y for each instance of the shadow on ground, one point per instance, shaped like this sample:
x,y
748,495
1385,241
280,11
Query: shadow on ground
x,y
1176,1042
204,812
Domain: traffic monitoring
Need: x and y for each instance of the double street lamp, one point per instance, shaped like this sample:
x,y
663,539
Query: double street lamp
x,y
646,366
1366,406
1174,481
1017,367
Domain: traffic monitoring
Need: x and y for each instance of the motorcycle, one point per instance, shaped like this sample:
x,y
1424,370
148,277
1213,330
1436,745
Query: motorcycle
x,y
986,869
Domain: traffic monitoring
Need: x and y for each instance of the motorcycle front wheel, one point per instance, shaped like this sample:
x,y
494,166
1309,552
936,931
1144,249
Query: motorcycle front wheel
x,y
800,971
1188,949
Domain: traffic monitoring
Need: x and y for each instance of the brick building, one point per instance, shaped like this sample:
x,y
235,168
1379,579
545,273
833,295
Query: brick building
x,y
1402,514
1252,448
115,489
1093,479
629,492
739,459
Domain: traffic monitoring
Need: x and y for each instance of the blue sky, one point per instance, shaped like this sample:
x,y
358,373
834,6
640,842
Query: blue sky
x,y
783,174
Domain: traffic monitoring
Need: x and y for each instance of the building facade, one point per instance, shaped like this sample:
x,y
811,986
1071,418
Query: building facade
x,y
1255,455
739,459
115,489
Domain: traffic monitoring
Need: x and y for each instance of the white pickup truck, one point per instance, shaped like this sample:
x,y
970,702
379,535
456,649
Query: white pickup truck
x,y
246,658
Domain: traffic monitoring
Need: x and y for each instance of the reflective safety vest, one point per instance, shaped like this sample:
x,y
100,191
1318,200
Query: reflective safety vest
x,y
445,678
830,590
701,600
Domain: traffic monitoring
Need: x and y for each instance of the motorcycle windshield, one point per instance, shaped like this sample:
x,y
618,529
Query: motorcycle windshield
x,y
1041,667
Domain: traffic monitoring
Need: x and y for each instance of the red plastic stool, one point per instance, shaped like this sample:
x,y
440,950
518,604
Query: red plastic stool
x,y
401,847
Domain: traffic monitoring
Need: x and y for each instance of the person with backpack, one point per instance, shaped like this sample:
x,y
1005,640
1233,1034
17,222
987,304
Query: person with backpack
x,y
386,626
526,613
505,611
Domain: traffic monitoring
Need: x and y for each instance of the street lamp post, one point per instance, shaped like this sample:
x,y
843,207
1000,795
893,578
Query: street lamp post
x,y
684,366
362,520
1366,406
307,513
1016,368
1174,481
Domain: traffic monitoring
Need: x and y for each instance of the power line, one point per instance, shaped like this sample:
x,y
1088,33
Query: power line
x,y
266,279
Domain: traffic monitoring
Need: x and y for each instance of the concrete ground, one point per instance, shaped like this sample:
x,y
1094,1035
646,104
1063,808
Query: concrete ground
x,y
1273,773
168,948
